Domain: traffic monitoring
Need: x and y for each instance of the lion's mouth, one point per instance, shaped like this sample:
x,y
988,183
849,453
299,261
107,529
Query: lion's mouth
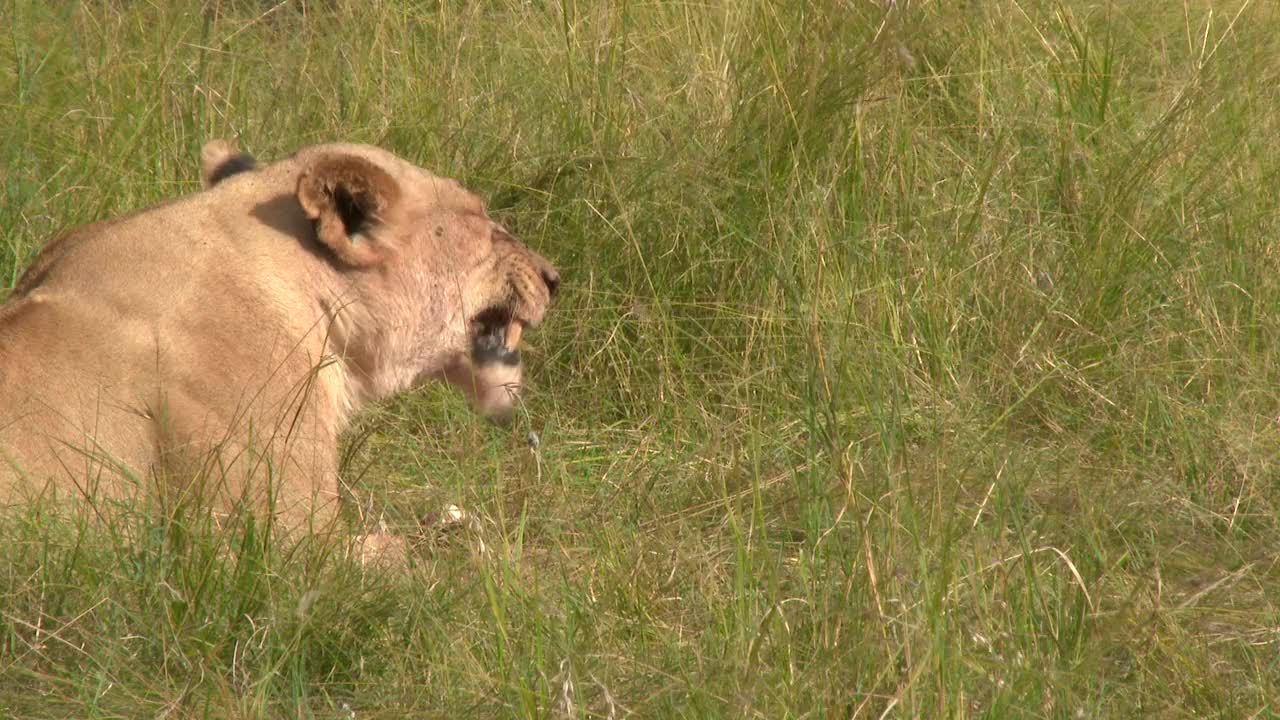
x,y
495,338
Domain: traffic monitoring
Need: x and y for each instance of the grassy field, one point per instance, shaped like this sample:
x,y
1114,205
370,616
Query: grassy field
x,y
913,359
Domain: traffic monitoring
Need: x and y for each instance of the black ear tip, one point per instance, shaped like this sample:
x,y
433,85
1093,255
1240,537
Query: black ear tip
x,y
233,165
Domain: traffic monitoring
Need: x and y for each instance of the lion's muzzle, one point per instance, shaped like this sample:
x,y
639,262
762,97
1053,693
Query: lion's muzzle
x,y
494,372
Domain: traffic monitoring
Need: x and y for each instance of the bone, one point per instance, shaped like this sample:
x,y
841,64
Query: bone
x,y
514,330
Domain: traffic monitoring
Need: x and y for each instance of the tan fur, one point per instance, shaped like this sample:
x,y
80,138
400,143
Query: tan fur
x,y
234,332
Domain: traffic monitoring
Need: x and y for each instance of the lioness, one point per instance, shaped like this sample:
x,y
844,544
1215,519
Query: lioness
x,y
234,332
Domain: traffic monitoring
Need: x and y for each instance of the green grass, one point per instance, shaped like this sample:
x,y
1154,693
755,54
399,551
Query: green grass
x,y
909,363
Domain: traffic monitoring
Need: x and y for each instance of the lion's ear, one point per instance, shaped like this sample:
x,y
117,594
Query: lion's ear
x,y
219,160
347,197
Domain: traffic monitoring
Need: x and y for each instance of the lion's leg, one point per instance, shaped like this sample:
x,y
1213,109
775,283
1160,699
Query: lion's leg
x,y
287,474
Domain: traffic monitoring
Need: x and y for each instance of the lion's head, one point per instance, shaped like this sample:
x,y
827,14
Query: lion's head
x,y
436,288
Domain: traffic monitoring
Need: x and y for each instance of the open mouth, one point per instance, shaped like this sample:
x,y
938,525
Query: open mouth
x,y
496,337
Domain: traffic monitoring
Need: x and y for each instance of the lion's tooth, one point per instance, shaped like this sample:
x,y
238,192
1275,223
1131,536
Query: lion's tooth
x,y
514,329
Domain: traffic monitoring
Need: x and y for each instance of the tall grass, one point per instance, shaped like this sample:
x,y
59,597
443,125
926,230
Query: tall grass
x,y
913,360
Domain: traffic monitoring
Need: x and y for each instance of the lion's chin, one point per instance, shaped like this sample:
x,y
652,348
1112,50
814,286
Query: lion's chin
x,y
497,388
494,367
490,381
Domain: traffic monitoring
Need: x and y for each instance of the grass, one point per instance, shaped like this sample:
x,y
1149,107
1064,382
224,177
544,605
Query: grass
x,y
913,360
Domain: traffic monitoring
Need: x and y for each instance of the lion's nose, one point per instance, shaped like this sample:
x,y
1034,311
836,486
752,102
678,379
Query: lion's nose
x,y
552,279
